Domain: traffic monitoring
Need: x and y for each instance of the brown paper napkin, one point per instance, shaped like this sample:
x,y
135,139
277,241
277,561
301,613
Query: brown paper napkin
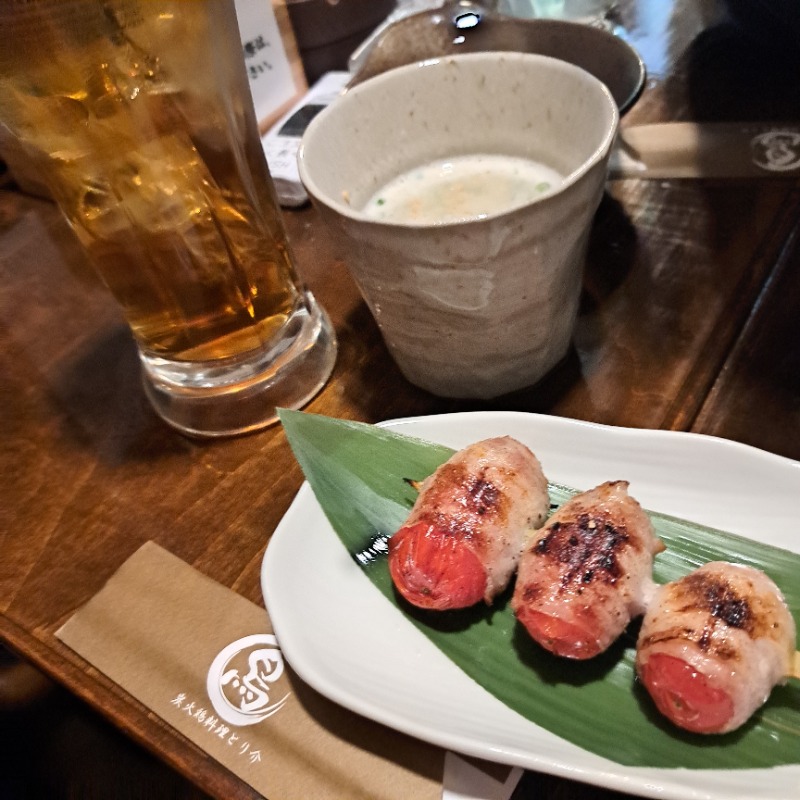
x,y
203,659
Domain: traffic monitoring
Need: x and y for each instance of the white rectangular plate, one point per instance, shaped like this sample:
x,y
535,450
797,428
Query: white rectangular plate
x,y
347,641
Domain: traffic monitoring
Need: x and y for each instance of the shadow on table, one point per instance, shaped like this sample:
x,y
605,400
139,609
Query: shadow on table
x,y
98,390
55,747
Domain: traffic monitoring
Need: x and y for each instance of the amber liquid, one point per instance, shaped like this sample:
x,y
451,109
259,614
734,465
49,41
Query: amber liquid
x,y
130,112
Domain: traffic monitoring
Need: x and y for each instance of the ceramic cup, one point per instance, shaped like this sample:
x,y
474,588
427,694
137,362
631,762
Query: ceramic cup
x,y
484,306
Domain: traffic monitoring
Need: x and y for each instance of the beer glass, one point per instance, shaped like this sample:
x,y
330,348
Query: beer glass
x,y
138,117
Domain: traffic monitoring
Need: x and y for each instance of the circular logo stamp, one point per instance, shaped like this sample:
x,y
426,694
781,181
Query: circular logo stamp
x,y
777,151
241,680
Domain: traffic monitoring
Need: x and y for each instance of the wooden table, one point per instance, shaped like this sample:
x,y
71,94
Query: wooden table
x,y
688,322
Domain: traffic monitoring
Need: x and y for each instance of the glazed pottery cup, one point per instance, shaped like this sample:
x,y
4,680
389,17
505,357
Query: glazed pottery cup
x,y
478,307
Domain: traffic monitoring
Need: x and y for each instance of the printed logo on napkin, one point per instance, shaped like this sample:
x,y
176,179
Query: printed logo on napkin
x,y
242,677
777,151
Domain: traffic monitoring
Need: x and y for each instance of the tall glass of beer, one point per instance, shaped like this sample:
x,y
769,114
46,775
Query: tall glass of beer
x,y
138,116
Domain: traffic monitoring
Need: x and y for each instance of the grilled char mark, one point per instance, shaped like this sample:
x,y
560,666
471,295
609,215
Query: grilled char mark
x,y
588,546
723,607
531,592
482,496
719,599
462,500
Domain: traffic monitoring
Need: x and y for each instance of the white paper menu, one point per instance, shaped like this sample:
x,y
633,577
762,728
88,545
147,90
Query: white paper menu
x,y
271,58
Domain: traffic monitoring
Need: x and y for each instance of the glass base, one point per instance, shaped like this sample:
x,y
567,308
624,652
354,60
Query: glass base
x,y
210,399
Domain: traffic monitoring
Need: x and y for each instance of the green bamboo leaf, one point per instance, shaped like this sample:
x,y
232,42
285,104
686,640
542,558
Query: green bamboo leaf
x,y
360,473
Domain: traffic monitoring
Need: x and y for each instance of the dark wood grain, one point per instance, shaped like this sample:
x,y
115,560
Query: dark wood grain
x,y
756,397
688,322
